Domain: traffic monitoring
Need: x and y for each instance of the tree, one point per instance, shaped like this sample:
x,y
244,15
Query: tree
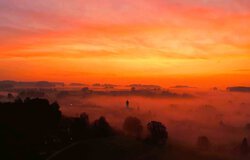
x,y
244,147
203,143
84,118
85,90
127,104
247,127
102,128
158,133
55,110
80,126
10,96
30,122
132,126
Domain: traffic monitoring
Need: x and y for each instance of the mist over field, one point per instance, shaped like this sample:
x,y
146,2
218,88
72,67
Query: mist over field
x,y
220,115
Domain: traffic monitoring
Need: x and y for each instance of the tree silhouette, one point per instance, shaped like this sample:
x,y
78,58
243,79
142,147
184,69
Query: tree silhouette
x,y
10,96
102,128
132,126
158,133
80,126
86,90
247,127
84,119
203,143
127,104
244,146
26,125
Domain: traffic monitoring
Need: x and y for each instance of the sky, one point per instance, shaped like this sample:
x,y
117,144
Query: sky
x,y
196,42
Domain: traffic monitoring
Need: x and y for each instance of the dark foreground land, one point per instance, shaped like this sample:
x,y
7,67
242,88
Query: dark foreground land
x,y
35,129
125,148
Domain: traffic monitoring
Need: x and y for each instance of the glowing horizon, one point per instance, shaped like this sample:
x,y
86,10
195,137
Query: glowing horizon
x,y
124,41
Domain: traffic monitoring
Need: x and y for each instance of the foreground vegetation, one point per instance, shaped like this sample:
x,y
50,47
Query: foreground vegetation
x,y
35,129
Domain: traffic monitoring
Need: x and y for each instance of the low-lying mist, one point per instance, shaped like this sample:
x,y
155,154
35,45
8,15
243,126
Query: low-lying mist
x,y
222,116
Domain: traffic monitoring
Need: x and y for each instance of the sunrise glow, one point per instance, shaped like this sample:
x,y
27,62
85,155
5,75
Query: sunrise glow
x,y
123,41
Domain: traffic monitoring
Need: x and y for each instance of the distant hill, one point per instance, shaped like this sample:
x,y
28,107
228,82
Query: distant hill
x,y
7,84
239,89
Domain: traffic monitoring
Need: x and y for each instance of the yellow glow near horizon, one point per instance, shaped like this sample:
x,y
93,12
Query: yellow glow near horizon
x,y
125,41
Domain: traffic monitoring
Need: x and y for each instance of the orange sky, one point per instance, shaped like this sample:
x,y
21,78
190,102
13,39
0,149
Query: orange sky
x,y
205,42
